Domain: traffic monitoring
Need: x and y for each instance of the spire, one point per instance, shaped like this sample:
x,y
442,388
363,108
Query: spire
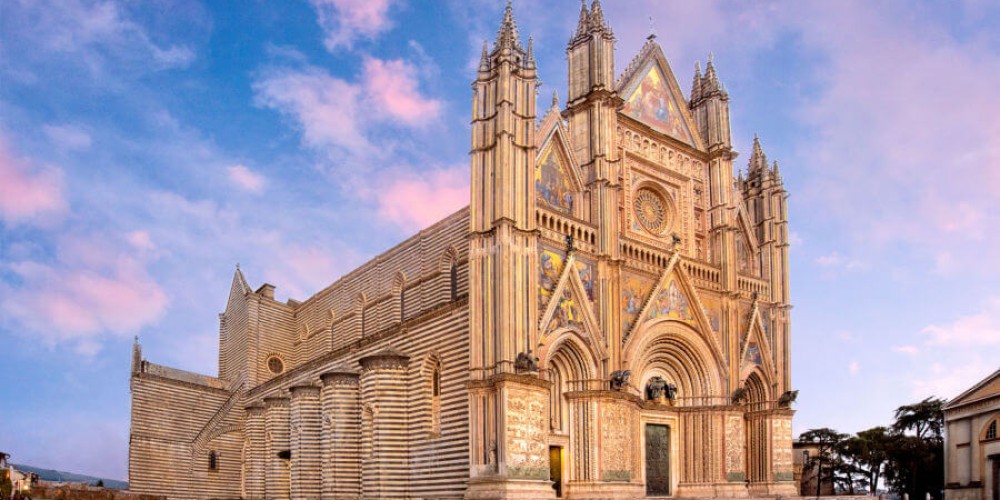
x,y
775,173
597,16
507,36
758,160
555,99
581,27
696,84
529,61
711,81
484,60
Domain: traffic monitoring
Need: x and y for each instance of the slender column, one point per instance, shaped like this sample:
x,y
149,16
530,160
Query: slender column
x,y
305,437
383,386
256,450
340,445
276,424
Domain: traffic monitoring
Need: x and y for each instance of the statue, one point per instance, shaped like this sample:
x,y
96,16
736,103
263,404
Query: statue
x,y
619,379
788,398
526,362
740,395
657,388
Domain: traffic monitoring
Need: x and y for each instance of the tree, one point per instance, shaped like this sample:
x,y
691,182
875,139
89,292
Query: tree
x,y
916,456
828,443
869,451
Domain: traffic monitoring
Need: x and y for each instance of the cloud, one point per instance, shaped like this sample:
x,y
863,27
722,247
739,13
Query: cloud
x,y
94,32
246,179
345,21
414,200
834,260
92,289
325,108
67,137
392,88
854,368
26,190
980,330
906,349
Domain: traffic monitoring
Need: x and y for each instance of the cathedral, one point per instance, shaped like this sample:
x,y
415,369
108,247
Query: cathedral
x,y
608,318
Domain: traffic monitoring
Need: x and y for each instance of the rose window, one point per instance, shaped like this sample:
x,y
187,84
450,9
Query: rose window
x,y
651,211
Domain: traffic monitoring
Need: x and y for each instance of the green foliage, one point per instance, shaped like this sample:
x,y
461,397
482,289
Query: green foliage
x,y
909,454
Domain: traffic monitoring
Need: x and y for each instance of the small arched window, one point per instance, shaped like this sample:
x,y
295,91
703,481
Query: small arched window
x,y
213,461
991,431
436,400
436,382
454,281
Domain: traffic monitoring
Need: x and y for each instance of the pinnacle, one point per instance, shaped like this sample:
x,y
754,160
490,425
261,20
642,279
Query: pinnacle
x,y
581,27
555,99
507,34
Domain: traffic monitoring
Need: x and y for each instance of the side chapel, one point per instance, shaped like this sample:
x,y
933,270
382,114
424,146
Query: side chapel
x,y
608,318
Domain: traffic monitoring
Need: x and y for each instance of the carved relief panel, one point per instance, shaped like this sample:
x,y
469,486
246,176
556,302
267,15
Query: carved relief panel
x,y
782,432
617,432
734,448
527,453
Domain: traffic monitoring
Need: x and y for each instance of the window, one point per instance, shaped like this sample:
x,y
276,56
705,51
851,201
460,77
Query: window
x,y
275,365
991,431
436,400
454,281
213,460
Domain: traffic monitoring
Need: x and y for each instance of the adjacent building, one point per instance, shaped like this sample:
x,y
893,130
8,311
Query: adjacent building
x,y
972,443
608,318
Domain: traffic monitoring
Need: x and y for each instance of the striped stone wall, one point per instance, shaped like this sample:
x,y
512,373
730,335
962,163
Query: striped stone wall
x,y
306,424
340,445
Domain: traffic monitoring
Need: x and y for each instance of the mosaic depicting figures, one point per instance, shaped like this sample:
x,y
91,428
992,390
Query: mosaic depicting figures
x,y
743,256
713,312
567,314
552,182
652,103
671,303
586,278
550,268
753,354
634,291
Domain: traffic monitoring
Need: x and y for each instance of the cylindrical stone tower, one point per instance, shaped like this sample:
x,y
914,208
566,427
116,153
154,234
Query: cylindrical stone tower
x,y
340,444
305,437
278,448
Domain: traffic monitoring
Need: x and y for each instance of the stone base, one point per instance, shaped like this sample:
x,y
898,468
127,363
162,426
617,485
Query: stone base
x,y
499,488
718,490
595,490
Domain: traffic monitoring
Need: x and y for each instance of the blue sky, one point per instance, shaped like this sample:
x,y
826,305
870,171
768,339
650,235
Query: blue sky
x,y
146,148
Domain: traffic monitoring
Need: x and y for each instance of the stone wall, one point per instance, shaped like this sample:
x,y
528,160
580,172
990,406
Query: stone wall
x,y
51,491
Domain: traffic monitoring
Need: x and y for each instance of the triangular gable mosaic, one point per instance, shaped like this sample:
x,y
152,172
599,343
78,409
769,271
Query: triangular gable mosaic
x,y
554,182
651,102
672,303
635,289
551,268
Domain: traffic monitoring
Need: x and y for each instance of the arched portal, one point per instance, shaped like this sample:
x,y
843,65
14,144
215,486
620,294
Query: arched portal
x,y
758,442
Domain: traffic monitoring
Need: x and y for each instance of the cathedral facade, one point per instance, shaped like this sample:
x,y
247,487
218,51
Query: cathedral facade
x,y
608,318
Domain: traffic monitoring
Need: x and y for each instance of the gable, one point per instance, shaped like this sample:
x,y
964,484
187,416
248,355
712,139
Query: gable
x,y
651,100
672,302
988,387
569,307
557,185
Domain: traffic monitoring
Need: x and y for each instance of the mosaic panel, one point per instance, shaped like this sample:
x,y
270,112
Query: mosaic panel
x,y
553,182
713,311
634,292
671,303
651,102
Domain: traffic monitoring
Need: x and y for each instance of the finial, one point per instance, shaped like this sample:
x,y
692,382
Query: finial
x,y
711,56
529,60
507,34
484,60
555,99
136,338
652,30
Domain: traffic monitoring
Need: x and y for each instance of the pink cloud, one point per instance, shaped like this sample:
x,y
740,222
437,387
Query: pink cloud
x,y
301,271
246,179
977,330
27,191
326,108
83,296
414,200
392,87
345,21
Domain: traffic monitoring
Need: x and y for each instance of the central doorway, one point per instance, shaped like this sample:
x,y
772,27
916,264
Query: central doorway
x,y
555,469
657,460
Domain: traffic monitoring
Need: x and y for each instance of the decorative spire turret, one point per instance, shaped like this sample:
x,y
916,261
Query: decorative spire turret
x,y
529,61
555,99
710,83
581,27
758,160
507,37
597,21
696,84
775,173
484,60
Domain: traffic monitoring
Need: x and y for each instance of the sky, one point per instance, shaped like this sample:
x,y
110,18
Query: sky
x,y
147,148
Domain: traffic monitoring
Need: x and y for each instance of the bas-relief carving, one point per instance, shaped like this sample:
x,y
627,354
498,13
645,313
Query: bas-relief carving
x,y
734,446
782,432
616,440
527,454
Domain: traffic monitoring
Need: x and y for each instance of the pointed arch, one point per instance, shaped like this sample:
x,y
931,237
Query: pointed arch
x,y
570,309
676,352
399,295
558,180
565,360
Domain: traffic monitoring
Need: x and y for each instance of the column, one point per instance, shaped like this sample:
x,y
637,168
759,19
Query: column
x,y
340,446
385,433
256,451
305,441
278,447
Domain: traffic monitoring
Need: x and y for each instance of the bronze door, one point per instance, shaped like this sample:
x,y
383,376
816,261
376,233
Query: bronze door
x,y
555,469
657,460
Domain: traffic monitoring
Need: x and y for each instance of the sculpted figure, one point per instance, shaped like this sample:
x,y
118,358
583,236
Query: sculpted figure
x,y
619,378
526,361
788,398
